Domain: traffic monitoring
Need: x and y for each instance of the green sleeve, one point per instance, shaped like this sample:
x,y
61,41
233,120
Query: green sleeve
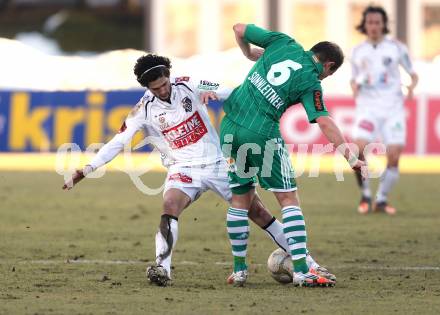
x,y
313,103
263,38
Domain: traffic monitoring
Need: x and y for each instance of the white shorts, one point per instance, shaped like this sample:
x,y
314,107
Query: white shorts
x,y
388,126
195,180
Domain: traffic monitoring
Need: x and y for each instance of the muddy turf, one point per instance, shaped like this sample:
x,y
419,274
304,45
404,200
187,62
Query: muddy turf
x,y
85,251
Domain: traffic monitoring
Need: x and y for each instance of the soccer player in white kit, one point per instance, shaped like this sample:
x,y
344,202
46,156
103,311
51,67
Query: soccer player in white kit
x,y
380,111
173,115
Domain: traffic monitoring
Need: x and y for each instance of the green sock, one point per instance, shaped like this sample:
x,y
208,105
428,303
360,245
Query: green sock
x,y
238,231
294,229
239,263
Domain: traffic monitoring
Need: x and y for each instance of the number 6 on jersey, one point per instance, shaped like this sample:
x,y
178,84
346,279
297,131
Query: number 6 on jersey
x,y
283,68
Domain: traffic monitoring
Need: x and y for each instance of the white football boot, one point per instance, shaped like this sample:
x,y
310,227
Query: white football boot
x,y
238,279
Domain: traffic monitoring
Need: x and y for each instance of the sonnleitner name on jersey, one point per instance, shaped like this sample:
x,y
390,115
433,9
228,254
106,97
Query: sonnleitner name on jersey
x,y
266,90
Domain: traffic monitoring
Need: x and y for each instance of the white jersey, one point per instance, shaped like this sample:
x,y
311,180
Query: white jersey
x,y
375,68
180,130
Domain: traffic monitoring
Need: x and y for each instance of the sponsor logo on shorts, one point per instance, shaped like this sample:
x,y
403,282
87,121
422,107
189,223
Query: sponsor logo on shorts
x,y
366,125
231,165
181,178
317,98
187,132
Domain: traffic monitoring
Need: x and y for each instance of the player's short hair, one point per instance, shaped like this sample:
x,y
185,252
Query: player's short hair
x,y
374,9
151,67
328,51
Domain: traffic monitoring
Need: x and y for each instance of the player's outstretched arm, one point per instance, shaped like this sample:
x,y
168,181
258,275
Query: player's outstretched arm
x,y
334,135
251,53
107,153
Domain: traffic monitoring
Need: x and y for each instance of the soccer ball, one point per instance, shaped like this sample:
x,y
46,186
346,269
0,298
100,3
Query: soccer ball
x,y
280,267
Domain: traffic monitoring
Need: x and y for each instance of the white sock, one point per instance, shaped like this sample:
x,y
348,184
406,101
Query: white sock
x,y
387,182
275,231
366,191
162,246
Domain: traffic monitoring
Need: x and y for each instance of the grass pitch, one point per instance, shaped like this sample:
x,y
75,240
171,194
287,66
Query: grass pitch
x,y
85,251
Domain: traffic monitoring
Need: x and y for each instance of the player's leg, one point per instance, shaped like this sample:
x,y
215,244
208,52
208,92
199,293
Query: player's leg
x,y
365,130
261,216
177,196
217,181
237,223
394,136
363,183
243,191
388,179
277,176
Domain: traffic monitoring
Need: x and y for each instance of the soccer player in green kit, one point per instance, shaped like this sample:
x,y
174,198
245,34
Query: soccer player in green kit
x,y
284,74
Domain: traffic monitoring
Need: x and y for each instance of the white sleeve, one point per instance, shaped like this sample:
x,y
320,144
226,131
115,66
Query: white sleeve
x,y
111,149
404,59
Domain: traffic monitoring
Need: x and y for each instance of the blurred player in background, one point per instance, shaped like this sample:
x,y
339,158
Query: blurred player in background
x,y
284,74
173,114
380,110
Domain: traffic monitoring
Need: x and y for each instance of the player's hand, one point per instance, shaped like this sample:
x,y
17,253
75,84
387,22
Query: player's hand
x,y
255,53
360,167
205,97
77,177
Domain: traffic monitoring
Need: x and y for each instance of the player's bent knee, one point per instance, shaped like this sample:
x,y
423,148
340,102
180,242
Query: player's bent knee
x,y
171,207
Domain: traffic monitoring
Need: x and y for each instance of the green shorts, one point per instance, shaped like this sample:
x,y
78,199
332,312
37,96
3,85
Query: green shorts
x,y
251,156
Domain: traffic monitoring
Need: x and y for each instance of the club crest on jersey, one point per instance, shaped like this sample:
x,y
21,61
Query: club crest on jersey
x,y
387,61
187,104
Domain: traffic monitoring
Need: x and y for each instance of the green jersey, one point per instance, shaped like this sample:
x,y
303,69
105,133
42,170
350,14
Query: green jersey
x,y
283,76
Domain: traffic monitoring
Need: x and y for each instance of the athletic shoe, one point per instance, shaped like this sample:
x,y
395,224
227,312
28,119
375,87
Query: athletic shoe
x,y
364,205
323,272
238,279
383,206
158,275
310,279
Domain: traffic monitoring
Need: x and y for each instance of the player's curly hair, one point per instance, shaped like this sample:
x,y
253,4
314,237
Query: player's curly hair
x,y
151,67
373,9
328,51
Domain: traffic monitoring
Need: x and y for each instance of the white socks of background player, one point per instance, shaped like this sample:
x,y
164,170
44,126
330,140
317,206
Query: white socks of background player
x,y
365,188
387,182
166,237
